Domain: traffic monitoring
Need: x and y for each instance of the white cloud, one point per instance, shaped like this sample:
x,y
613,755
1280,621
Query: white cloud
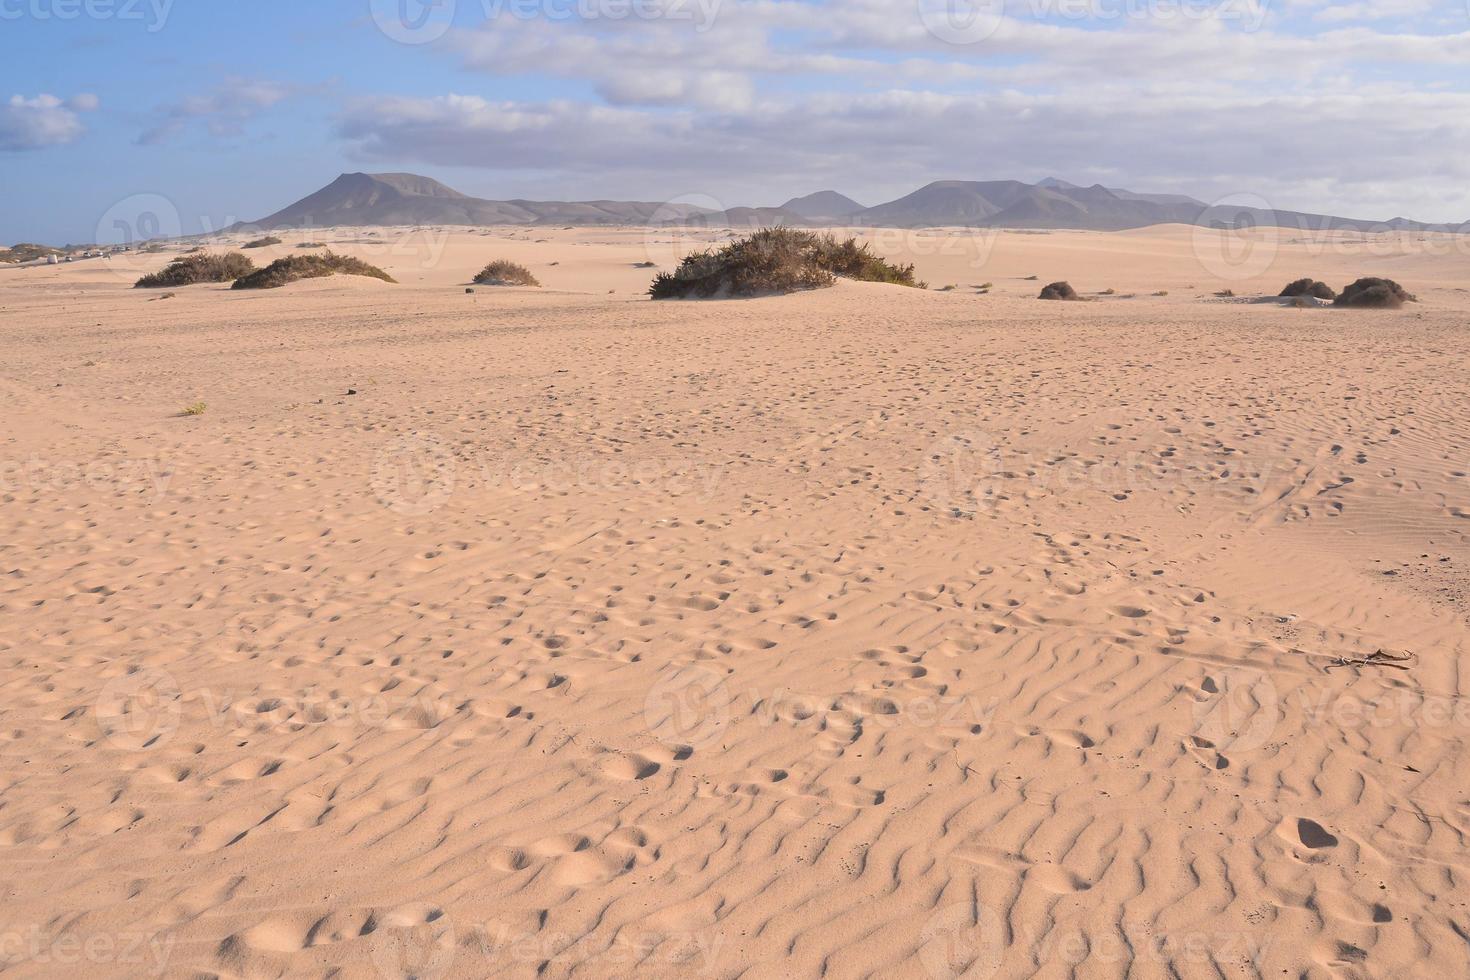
x,y
886,143
33,124
223,112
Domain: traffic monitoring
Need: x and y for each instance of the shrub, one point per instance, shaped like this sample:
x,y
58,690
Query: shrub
x,y
1060,291
1226,294
294,267
1375,293
198,408
776,260
503,272
262,242
851,260
311,245
1309,287
191,269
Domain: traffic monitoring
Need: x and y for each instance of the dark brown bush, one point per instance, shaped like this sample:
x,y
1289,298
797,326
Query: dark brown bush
x,y
1370,293
1060,291
1309,287
294,267
198,268
773,261
262,242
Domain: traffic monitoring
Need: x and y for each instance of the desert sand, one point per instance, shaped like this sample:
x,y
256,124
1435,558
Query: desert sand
x,y
863,632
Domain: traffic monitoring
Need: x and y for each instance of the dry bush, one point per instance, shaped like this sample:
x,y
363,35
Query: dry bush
x,y
1309,287
295,267
503,272
1060,291
1370,293
262,242
773,261
193,269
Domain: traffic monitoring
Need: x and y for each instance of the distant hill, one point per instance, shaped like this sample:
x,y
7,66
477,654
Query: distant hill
x,y
408,199
822,204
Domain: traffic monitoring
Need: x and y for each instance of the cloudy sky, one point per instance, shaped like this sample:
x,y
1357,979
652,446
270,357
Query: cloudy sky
x,y
217,110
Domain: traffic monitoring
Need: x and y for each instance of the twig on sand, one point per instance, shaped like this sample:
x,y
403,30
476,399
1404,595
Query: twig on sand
x,y
1378,658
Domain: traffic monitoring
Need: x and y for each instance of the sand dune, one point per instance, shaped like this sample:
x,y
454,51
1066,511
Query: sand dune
x,y
864,632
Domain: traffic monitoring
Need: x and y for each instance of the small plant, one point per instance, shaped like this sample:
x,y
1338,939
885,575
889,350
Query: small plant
x,y
311,245
191,269
503,272
644,265
1162,292
948,289
774,261
262,242
198,408
1110,291
986,285
296,267
1226,294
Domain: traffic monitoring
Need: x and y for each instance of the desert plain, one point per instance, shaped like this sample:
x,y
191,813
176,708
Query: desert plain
x,y
862,632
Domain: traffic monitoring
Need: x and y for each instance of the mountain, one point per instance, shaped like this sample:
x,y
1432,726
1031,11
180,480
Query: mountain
x,y
822,204
408,199
1054,203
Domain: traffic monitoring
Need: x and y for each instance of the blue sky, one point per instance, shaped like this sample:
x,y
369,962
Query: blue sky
x,y
231,109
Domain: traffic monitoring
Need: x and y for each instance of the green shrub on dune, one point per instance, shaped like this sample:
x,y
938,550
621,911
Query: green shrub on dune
x,y
195,268
776,260
295,267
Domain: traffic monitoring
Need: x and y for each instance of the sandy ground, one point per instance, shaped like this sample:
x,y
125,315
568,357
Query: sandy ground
x,y
866,632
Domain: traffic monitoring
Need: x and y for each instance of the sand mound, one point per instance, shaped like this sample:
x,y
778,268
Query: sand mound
x,y
1370,293
296,267
1060,291
1309,287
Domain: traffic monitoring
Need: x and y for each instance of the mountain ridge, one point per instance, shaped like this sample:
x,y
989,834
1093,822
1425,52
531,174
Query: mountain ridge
x,y
1049,204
